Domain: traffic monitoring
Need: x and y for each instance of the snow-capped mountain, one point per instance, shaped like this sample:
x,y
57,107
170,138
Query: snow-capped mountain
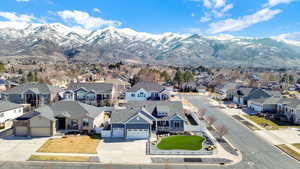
x,y
48,41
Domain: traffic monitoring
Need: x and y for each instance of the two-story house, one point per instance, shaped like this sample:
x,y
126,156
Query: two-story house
x,y
34,94
143,91
98,94
140,118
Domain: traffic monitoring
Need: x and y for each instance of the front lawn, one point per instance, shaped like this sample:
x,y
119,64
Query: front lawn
x,y
269,124
297,145
181,143
71,144
59,158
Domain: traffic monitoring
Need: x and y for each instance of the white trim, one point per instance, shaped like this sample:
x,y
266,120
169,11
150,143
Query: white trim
x,y
142,116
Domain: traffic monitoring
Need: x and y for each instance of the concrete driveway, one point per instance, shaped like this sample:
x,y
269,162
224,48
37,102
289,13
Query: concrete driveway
x,y
19,148
120,151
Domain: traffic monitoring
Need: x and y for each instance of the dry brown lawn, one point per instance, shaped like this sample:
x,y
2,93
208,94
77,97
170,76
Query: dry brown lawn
x,y
289,151
59,158
297,145
71,144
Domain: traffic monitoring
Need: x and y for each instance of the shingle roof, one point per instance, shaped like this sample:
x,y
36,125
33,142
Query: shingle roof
x,y
96,87
5,106
147,86
42,88
134,107
67,108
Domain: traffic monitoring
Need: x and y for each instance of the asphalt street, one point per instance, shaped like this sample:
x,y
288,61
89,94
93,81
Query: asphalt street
x,y
257,153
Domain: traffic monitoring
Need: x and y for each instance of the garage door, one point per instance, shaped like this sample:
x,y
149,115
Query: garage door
x,y
137,133
21,131
118,132
40,132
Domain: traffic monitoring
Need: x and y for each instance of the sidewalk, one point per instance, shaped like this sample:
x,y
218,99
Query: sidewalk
x,y
221,152
262,132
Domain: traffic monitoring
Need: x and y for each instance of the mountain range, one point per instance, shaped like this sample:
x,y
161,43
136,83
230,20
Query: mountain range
x,y
52,42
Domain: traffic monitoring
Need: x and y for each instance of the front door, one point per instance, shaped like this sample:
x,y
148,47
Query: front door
x,y
61,123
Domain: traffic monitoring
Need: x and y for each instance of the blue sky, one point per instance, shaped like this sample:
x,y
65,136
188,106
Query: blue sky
x,y
259,18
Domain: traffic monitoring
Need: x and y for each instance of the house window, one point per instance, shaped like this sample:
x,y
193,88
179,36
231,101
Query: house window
x,y
1,114
141,94
132,95
85,122
15,111
177,124
73,125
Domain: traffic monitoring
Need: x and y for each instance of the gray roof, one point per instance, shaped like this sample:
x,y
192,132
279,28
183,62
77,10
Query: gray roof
x,y
67,108
269,100
149,86
40,88
227,86
123,115
5,106
96,87
134,107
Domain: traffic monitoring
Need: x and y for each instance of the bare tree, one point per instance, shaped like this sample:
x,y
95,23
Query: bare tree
x,y
211,120
221,130
202,112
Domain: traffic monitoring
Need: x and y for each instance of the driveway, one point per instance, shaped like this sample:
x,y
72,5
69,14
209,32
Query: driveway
x,y
119,151
19,148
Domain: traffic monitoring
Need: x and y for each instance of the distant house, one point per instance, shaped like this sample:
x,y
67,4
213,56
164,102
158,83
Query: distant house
x,y
243,94
98,94
6,84
64,116
264,105
9,111
120,86
290,108
34,94
226,91
139,119
143,91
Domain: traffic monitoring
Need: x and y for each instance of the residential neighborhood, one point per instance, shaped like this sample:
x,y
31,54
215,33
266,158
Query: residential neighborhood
x,y
157,115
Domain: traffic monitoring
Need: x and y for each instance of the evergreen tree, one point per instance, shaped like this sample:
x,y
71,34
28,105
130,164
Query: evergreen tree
x,y
179,77
188,76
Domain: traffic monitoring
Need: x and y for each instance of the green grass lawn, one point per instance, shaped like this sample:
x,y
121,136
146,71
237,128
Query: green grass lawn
x,y
268,124
181,143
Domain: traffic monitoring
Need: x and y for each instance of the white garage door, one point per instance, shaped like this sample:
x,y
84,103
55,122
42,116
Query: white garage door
x,y
118,132
40,132
137,133
21,131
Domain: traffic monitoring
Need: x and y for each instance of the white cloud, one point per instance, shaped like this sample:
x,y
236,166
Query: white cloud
x,y
97,10
220,3
12,16
295,36
214,9
227,8
192,14
205,18
272,3
231,25
193,30
23,0
86,21
12,20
